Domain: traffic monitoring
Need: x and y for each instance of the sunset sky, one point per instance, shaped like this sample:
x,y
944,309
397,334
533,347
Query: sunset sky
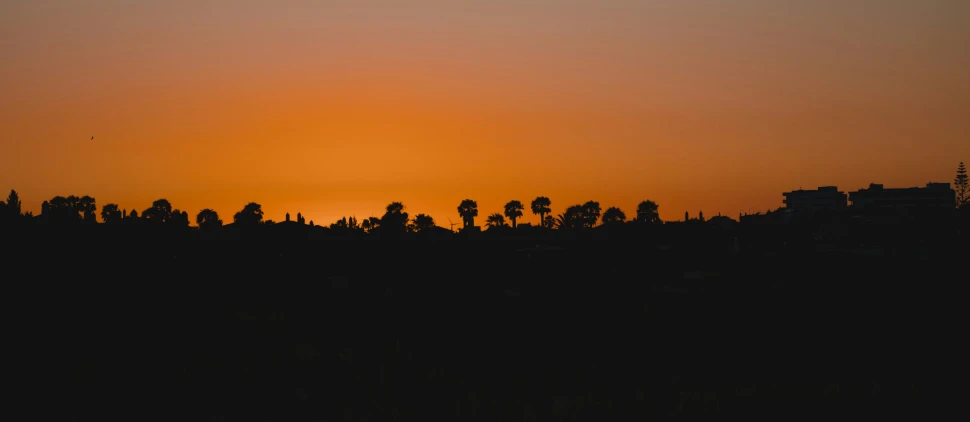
x,y
335,108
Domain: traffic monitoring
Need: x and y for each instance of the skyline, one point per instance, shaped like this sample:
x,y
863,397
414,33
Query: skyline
x,y
483,215
338,109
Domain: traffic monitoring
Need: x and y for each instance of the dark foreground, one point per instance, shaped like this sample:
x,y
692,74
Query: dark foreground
x,y
478,331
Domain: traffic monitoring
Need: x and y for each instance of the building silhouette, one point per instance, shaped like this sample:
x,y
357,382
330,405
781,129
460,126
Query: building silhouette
x,y
808,202
935,196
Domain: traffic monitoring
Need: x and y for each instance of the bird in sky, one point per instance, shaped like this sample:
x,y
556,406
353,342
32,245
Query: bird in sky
x,y
92,138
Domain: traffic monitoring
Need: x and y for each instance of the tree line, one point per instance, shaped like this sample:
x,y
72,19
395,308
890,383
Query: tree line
x,y
83,210
73,209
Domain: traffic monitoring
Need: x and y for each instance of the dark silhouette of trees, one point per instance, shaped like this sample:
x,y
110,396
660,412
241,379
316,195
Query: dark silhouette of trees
x,y
540,206
613,215
88,208
648,212
495,220
47,211
251,214
11,209
513,210
370,224
362,312
12,206
468,210
394,218
423,222
960,185
549,222
111,214
159,212
74,209
572,218
395,208
71,209
590,213
346,225
179,218
208,219
66,205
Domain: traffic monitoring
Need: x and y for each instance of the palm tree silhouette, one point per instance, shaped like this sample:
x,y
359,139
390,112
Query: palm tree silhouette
x,y
549,222
495,220
423,222
540,206
468,210
572,218
513,210
590,213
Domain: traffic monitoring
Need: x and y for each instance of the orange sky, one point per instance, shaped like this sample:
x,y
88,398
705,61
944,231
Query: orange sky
x,y
338,108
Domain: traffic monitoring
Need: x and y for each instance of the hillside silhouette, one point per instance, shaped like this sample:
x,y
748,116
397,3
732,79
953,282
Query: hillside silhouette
x,y
815,309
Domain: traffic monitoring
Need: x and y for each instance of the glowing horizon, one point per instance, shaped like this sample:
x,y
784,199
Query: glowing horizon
x,y
338,108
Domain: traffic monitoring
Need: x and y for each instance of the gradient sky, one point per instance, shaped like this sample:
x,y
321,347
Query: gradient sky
x,y
336,108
